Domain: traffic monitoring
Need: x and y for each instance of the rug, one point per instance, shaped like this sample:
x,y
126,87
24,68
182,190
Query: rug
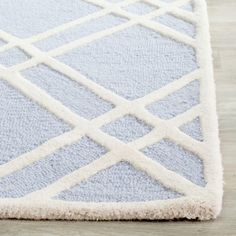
x,y
107,111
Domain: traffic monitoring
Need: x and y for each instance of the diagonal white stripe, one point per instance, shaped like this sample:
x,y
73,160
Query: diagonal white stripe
x,y
91,127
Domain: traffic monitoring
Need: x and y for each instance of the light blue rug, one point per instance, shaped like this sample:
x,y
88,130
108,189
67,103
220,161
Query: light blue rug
x,y
107,111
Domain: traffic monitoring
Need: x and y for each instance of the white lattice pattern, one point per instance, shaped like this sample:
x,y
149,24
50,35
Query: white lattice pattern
x,y
118,150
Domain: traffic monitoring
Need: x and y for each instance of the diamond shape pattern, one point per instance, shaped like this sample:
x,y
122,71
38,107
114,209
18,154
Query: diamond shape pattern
x,y
122,80
127,128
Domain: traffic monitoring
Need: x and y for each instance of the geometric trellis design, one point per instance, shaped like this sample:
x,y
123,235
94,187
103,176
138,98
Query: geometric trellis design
x,y
79,31
176,193
70,93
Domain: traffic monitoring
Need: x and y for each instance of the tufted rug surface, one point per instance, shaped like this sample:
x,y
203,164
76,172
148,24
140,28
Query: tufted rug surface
x,y
107,111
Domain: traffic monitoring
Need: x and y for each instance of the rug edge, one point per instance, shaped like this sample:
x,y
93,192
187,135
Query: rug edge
x,y
189,208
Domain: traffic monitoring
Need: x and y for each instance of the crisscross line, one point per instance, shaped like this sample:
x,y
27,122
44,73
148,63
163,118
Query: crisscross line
x,y
24,43
87,127
123,108
141,162
124,105
107,9
84,127
155,135
132,21
173,8
117,100
145,19
63,27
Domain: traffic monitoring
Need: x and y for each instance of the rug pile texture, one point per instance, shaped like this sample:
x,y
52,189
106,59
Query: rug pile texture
x,y
107,111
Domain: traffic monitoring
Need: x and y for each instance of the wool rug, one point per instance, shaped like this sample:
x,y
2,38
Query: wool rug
x,y
107,111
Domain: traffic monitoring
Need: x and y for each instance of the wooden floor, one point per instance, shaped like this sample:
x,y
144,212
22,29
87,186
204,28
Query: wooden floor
x,y
222,14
